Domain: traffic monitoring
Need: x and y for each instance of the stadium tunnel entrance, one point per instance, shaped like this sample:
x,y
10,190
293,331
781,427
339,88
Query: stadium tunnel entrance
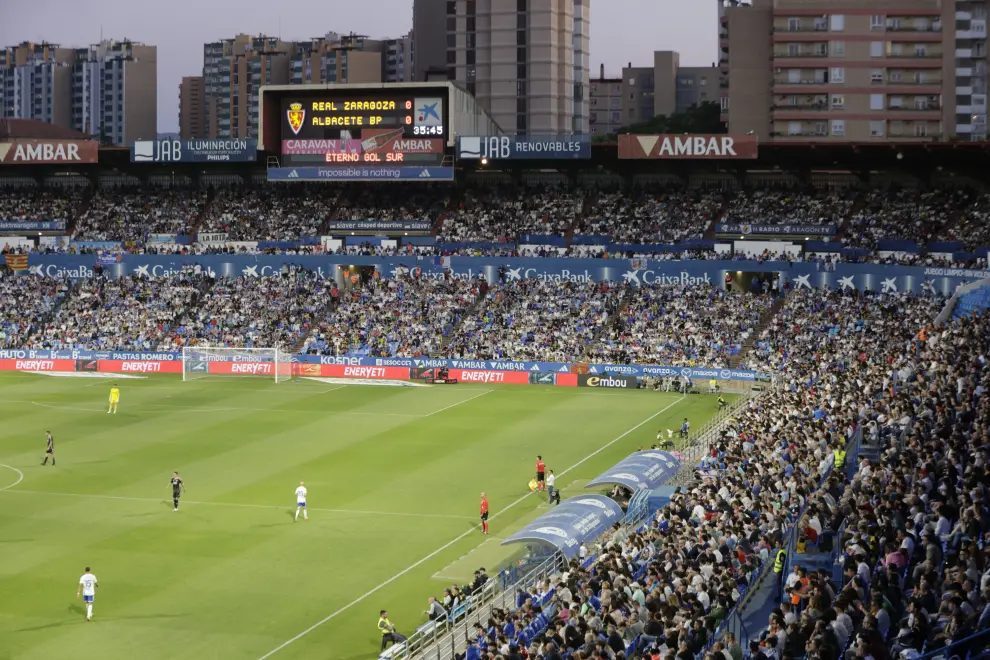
x,y
752,282
354,277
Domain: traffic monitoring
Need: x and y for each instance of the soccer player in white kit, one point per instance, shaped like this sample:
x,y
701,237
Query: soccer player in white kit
x,y
87,587
301,501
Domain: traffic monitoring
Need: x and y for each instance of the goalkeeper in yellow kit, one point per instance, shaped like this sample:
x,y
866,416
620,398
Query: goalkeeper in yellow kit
x,y
114,399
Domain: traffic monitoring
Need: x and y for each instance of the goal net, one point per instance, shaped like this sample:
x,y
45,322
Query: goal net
x,y
202,362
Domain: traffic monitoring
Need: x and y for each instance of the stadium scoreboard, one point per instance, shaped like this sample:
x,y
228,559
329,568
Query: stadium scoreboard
x,y
387,126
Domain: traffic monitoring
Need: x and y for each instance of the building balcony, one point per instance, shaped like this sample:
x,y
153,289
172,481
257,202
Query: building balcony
x,y
800,54
921,107
815,106
911,135
891,80
803,81
800,134
814,27
916,55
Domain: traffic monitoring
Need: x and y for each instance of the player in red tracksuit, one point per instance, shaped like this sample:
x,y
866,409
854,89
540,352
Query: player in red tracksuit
x,y
484,513
541,470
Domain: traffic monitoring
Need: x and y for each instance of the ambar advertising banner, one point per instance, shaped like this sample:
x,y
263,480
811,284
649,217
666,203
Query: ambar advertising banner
x,y
607,382
47,152
687,146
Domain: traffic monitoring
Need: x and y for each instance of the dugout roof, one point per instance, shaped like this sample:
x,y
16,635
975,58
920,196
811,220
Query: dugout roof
x,y
573,522
642,470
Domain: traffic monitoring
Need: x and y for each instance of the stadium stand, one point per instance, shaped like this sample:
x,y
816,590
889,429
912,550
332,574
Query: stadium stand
x,y
271,213
25,305
664,590
130,215
128,313
536,320
502,215
388,317
29,204
905,214
775,207
645,216
681,326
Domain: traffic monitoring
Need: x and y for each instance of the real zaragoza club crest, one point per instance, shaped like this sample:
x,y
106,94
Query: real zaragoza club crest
x,y
296,116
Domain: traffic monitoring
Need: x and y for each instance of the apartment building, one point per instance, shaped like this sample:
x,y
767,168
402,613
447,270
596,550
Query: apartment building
x,y
856,71
234,70
525,61
192,107
115,91
605,104
665,88
36,83
108,90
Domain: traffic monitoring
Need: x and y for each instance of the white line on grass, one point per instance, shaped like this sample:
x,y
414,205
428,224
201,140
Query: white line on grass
x,y
20,477
459,538
194,409
233,504
472,398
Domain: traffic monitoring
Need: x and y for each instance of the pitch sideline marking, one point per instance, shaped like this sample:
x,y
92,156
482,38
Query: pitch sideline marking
x,y
20,477
471,398
233,504
194,409
438,575
433,554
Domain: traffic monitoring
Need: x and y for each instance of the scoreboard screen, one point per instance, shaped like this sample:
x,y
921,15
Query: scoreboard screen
x,y
370,127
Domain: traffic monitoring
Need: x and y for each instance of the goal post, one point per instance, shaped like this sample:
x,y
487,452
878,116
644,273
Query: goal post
x,y
210,361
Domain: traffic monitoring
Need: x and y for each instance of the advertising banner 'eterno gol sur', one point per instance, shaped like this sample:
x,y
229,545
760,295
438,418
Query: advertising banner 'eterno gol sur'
x,y
687,146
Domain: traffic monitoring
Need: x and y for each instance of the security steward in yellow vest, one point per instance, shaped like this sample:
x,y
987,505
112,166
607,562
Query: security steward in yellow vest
x,y
839,458
389,635
779,562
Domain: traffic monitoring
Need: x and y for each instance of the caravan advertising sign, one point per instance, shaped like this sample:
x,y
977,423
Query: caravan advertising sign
x,y
194,151
708,147
505,147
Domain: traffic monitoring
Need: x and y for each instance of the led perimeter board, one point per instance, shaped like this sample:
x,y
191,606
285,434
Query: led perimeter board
x,y
352,126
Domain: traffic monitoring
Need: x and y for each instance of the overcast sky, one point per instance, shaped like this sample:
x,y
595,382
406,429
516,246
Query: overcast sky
x,y
622,31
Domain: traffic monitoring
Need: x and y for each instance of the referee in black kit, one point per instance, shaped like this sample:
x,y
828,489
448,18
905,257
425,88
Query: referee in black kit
x,y
177,489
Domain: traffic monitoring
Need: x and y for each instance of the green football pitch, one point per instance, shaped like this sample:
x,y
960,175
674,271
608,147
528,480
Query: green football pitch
x,y
394,477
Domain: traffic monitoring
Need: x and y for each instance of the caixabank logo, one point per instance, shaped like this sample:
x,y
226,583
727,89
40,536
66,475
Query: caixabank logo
x,y
607,382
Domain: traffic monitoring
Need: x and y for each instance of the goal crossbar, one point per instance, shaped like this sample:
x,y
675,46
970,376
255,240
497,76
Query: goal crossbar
x,y
207,361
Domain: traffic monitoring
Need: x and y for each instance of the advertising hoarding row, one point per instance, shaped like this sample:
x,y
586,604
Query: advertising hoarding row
x,y
48,152
194,151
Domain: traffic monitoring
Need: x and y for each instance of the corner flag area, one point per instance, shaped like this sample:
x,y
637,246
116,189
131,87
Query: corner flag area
x,y
394,477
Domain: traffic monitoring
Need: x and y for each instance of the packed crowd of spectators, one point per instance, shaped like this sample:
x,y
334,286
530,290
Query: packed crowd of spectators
x,y
394,317
130,214
681,325
541,321
411,201
502,215
25,304
270,213
130,313
662,592
973,224
641,216
33,205
251,312
773,207
905,214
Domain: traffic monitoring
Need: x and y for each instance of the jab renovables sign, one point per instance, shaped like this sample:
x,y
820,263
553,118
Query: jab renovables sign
x,y
633,147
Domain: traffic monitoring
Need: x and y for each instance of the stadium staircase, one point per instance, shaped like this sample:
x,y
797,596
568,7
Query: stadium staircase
x,y
469,312
87,199
747,346
709,234
197,222
586,208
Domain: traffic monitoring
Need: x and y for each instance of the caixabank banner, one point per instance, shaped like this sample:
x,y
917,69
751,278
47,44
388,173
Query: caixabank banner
x,y
635,272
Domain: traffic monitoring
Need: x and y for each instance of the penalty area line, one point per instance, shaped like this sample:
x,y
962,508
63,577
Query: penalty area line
x,y
454,405
463,536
